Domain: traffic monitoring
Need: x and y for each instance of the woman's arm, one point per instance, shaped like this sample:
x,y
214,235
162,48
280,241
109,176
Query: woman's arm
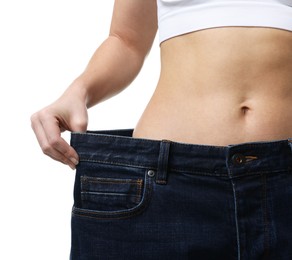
x,y
119,59
113,66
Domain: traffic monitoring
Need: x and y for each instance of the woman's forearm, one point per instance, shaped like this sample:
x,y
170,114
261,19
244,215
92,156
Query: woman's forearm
x,y
112,68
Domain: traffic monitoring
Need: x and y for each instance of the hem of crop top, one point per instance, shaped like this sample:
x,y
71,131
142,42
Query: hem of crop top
x,y
227,14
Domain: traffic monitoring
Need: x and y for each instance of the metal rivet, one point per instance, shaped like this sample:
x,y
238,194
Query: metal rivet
x,y
151,173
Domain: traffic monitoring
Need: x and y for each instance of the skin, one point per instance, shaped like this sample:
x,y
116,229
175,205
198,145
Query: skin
x,y
217,86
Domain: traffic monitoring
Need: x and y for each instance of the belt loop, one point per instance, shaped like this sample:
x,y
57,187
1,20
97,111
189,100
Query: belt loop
x,y
161,177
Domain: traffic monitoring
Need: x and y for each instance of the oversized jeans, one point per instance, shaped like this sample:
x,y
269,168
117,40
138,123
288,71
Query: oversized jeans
x,y
145,199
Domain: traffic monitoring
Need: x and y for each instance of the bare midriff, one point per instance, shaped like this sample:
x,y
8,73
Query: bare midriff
x,y
222,86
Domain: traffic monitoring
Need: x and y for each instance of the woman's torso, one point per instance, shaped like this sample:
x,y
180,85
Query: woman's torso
x,y
222,86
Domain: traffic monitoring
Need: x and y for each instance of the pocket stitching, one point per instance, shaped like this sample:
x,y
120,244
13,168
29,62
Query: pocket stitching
x,y
121,213
87,180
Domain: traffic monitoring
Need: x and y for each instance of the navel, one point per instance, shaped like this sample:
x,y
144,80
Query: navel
x,y
244,110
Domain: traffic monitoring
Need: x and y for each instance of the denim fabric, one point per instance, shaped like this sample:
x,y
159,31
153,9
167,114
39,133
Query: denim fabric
x,y
146,199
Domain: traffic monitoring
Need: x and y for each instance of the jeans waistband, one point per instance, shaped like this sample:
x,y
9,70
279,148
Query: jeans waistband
x,y
120,148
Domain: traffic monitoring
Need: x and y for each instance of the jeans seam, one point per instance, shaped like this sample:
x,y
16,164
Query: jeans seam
x,y
265,217
117,163
258,173
236,219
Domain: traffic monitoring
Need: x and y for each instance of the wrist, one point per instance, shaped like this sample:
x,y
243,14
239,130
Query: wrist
x,y
79,87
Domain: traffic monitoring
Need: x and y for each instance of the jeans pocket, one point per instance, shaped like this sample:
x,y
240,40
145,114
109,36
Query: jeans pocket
x,y
110,191
106,194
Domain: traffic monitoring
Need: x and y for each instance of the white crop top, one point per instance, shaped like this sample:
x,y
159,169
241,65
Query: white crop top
x,y
176,17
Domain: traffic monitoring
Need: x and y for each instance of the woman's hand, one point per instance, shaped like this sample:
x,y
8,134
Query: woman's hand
x,y
113,66
69,112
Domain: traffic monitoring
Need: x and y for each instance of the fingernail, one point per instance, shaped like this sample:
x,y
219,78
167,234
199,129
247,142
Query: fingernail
x,y
72,167
73,160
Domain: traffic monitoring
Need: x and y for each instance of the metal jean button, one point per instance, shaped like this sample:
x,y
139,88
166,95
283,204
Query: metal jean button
x,y
238,158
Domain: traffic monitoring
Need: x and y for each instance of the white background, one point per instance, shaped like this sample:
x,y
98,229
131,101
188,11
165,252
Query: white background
x,y
44,45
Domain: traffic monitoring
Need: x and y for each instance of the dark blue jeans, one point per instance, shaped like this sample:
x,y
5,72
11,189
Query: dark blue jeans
x,y
144,199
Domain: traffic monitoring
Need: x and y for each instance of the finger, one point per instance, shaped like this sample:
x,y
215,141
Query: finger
x,y
56,145
45,146
61,158
48,146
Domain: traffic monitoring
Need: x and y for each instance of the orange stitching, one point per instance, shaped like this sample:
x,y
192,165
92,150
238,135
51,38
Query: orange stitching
x,y
114,215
